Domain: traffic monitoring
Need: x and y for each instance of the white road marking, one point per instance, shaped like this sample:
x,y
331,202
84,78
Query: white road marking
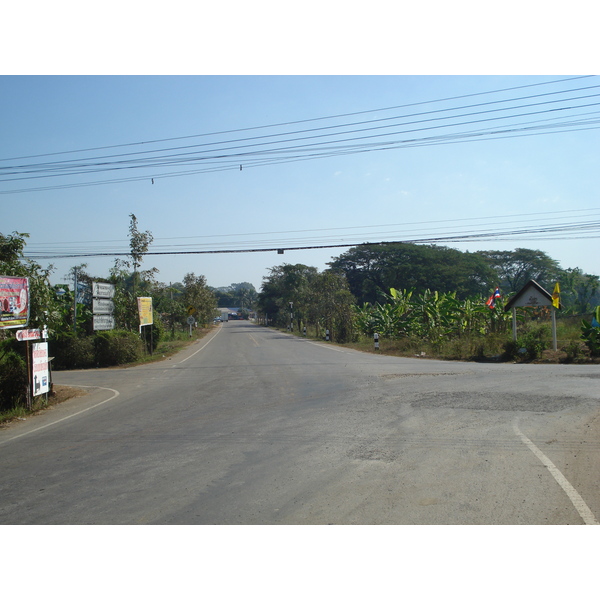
x,y
207,343
325,346
115,394
578,502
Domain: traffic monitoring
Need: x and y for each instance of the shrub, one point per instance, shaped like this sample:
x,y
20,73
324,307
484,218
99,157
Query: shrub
x,y
591,336
577,352
13,380
73,353
117,347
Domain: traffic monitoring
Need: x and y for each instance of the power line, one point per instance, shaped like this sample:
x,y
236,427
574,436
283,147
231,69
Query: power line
x,y
495,234
72,167
264,154
297,122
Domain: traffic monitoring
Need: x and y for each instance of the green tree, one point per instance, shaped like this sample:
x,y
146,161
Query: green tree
x,y
197,294
13,263
284,284
139,242
514,268
579,291
328,304
373,270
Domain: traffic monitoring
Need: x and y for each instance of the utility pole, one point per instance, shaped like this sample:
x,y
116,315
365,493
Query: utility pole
x,y
75,302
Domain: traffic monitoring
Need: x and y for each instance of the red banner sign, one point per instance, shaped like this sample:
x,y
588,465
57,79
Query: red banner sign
x,y
14,302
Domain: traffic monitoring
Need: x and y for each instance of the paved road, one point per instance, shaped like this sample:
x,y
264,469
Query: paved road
x,y
252,426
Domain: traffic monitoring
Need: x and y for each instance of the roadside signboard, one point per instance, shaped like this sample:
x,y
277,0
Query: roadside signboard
x,y
145,310
24,335
103,306
103,322
103,290
14,302
41,378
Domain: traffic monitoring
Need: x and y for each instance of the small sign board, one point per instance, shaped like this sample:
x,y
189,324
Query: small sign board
x,y
103,290
24,335
103,322
103,306
41,378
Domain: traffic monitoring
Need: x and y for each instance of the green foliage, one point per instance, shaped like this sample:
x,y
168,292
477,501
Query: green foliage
x,y
431,315
577,352
534,338
196,294
72,352
297,295
117,347
514,268
236,295
13,379
579,291
372,270
14,264
591,335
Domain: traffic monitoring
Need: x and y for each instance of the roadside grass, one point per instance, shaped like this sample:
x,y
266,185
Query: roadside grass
x,y
534,345
171,345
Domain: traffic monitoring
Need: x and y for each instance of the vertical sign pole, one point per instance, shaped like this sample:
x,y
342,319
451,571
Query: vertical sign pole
x,y
75,304
554,340
29,376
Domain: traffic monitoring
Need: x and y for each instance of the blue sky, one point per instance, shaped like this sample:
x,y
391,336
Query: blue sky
x,y
513,183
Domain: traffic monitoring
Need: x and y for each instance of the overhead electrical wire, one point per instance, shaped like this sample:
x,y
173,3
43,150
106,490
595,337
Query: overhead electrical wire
x,y
168,160
530,85
498,231
71,163
267,150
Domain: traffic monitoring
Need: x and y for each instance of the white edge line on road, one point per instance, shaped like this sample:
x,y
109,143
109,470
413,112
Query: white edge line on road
x,y
115,394
578,502
207,343
325,346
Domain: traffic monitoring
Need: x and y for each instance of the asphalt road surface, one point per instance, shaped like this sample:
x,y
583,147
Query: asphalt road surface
x,y
253,426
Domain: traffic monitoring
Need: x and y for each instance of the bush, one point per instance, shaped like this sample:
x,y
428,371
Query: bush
x,y
13,380
591,336
117,347
577,352
73,353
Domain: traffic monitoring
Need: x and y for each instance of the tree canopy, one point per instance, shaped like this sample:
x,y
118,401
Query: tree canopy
x,y
373,270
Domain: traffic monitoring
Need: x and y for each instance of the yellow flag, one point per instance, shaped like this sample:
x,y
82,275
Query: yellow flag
x,y
556,296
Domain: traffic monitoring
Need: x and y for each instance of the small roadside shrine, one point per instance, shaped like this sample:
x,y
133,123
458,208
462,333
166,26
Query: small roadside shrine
x,y
533,295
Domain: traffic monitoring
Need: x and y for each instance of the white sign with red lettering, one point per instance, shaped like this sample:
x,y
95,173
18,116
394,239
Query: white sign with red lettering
x,y
28,334
41,378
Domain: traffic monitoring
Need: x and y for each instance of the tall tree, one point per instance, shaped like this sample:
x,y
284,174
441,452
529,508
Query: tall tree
x,y
284,284
514,268
139,242
197,295
580,292
373,270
